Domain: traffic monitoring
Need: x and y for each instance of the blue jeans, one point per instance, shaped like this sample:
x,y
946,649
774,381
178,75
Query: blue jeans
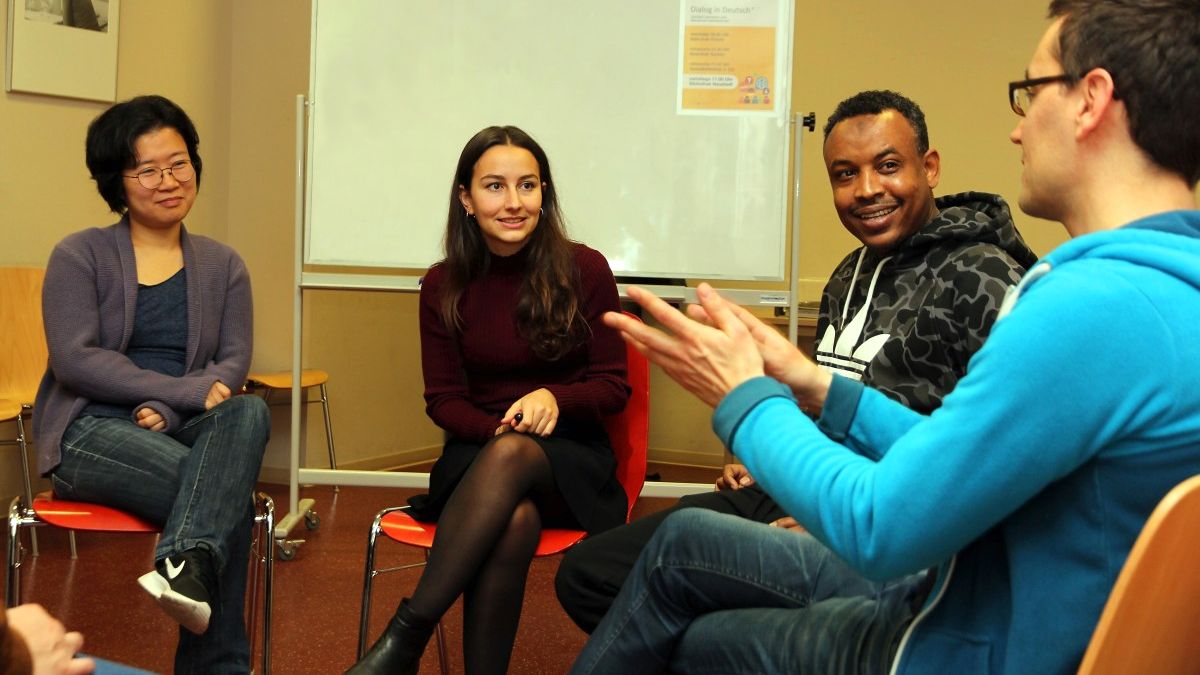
x,y
104,667
197,483
714,593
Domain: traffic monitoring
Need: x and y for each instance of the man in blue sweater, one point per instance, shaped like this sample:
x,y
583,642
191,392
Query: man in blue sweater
x,y
1029,485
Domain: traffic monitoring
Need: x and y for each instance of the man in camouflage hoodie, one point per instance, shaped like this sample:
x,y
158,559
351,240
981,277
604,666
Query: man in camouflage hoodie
x,y
903,313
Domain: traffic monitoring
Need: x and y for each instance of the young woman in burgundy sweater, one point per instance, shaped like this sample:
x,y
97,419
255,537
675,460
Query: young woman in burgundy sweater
x,y
519,371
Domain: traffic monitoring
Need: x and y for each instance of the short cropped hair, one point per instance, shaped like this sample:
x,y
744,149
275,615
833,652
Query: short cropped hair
x,y
1152,50
111,138
875,102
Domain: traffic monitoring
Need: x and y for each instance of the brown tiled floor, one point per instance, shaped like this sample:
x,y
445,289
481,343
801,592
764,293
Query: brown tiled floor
x,y
317,595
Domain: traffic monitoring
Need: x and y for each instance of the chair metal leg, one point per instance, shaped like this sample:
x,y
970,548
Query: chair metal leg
x,y
18,516
263,556
266,538
369,574
328,431
33,543
12,582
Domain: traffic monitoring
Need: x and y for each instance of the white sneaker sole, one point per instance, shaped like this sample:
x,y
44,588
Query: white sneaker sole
x,y
188,613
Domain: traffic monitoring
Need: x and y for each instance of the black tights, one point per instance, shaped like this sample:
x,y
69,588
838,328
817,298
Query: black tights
x,y
486,537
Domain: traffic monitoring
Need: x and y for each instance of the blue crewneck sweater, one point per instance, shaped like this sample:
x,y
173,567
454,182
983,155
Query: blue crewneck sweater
x,y
1030,484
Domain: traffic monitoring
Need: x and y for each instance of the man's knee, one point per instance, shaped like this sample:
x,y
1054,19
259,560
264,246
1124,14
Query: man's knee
x,y
576,586
688,528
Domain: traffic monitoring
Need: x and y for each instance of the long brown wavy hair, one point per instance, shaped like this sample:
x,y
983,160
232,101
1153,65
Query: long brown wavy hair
x,y
547,311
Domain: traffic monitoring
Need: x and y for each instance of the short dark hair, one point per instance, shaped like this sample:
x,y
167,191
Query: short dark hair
x,y
112,135
875,102
1151,48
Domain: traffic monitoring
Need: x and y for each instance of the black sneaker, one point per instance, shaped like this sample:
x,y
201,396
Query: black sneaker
x,y
183,585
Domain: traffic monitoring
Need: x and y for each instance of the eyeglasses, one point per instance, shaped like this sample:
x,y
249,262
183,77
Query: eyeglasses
x,y
1020,93
151,177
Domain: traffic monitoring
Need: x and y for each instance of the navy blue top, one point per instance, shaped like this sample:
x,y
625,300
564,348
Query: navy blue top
x,y
159,339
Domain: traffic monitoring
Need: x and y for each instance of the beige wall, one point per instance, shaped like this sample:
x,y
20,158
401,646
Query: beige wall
x,y
237,67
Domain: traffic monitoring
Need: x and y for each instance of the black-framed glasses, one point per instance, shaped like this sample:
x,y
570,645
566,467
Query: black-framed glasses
x,y
151,177
1021,93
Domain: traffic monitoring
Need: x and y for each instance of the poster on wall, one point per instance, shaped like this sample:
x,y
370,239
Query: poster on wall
x,y
730,56
63,48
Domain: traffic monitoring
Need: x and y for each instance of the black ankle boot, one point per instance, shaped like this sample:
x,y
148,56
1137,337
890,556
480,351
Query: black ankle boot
x,y
398,651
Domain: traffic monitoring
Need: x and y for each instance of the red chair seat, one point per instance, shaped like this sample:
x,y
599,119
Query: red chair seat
x,y
401,527
86,516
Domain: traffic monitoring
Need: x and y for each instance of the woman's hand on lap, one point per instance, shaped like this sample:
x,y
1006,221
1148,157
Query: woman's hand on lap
x,y
538,410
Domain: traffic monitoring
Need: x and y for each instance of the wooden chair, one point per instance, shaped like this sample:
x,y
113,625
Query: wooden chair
x,y
45,509
629,433
1151,623
23,358
282,381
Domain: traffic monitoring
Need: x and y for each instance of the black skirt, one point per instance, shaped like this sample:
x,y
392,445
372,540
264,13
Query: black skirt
x,y
581,458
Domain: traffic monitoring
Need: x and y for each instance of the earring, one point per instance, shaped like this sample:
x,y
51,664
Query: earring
x,y
541,212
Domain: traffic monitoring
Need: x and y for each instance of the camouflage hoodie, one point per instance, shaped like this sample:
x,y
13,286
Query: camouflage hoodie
x,y
907,323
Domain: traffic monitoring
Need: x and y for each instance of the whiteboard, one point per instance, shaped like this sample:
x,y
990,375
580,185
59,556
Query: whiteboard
x,y
397,89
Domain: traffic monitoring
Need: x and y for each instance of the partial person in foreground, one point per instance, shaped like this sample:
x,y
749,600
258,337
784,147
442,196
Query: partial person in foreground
x,y
520,371
149,330
1033,479
904,312
34,643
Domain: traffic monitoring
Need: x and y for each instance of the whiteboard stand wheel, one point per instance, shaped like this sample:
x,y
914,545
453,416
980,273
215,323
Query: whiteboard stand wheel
x,y
311,520
288,547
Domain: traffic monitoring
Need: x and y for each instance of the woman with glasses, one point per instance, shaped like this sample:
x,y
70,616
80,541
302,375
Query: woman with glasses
x,y
519,370
149,332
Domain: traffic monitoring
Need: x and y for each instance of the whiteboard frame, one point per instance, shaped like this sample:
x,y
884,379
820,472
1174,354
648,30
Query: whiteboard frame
x,y
306,280
781,262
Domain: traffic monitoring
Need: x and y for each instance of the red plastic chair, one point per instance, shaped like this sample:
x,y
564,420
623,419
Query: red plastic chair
x,y
85,516
629,433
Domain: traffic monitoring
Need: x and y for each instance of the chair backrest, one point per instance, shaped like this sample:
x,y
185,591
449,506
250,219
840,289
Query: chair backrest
x,y
23,339
629,430
1151,623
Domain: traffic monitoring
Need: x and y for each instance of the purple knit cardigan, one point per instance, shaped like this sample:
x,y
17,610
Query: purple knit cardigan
x,y
88,305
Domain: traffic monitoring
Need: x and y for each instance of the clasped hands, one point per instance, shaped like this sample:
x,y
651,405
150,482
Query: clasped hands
x,y
148,418
717,346
537,411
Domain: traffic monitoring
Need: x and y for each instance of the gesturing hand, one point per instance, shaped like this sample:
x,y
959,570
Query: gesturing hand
x,y
781,359
708,360
216,395
538,410
53,649
734,477
148,418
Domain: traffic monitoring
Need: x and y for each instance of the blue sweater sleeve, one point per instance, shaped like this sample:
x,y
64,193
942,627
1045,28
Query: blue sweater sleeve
x,y
1044,395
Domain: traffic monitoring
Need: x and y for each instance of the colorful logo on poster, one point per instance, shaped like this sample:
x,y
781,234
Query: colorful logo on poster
x,y
755,89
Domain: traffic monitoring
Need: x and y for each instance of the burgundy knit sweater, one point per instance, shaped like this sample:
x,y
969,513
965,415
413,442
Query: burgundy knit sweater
x,y
469,384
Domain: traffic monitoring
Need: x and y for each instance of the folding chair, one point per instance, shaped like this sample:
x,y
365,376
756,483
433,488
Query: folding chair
x,y
629,433
47,510
1151,622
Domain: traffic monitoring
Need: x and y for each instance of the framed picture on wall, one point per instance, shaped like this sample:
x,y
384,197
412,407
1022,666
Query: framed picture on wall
x,y
63,48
